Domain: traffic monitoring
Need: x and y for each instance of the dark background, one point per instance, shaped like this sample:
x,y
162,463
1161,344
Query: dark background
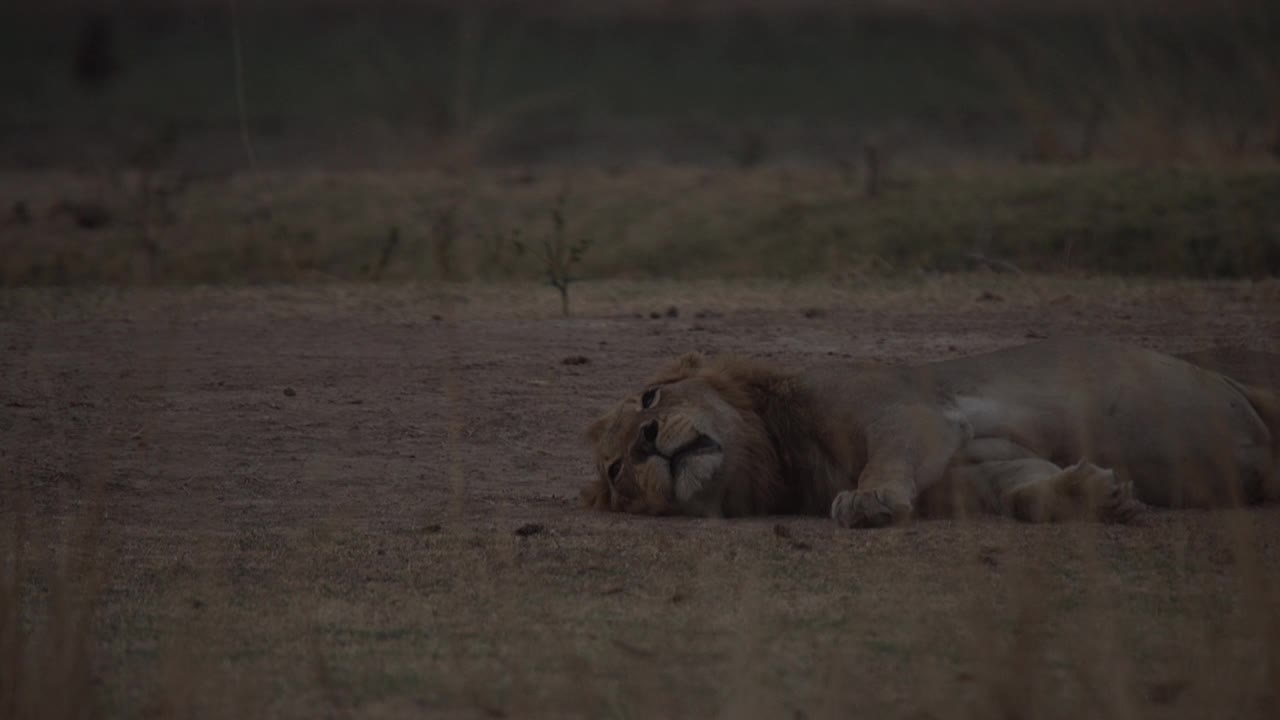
x,y
1144,134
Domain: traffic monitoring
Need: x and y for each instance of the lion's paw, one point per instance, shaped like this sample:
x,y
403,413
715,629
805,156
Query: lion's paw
x,y
1105,496
853,508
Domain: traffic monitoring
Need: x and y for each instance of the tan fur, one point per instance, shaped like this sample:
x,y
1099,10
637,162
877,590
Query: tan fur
x,y
1057,430
1267,404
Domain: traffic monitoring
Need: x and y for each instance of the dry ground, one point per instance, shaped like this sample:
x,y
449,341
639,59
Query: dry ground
x,y
312,503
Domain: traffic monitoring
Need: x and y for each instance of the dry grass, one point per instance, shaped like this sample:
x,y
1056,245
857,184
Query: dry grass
x,y
666,619
48,598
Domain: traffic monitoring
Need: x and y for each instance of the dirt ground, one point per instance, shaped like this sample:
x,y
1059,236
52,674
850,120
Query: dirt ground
x,y
353,501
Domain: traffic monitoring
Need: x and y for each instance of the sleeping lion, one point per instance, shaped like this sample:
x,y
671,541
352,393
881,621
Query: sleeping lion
x,y
1051,431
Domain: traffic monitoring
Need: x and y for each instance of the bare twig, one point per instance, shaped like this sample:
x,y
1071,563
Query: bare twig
x,y
558,253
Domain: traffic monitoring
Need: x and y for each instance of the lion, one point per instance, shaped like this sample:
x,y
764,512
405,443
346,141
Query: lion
x,y
1056,430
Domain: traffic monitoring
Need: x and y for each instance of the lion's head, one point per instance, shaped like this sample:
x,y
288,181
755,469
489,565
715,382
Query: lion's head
x,y
691,441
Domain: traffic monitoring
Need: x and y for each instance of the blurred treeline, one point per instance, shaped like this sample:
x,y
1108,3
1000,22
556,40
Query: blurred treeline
x,y
890,135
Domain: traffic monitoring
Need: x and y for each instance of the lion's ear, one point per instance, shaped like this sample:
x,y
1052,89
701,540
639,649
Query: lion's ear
x,y
691,362
685,366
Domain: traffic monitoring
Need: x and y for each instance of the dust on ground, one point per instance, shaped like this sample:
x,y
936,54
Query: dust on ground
x,y
363,501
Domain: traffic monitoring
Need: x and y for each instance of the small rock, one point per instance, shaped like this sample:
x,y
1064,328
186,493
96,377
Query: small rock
x,y
290,392
631,649
1166,693
436,317
784,532
529,529
812,313
575,360
673,312
432,529
654,315
87,215
20,214
989,556
678,597
988,296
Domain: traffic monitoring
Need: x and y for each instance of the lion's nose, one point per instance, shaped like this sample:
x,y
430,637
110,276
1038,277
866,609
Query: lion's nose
x,y
649,431
646,442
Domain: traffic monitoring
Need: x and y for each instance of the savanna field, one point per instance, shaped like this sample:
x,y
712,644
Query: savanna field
x,y
305,308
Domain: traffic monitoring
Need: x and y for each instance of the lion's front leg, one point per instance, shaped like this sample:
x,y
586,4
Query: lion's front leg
x,y
907,452
890,500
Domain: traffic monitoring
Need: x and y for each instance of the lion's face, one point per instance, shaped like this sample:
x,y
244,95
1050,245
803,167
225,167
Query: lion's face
x,y
682,445
663,449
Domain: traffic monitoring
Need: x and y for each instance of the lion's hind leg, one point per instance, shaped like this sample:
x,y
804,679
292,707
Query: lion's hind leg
x,y
1083,491
1008,480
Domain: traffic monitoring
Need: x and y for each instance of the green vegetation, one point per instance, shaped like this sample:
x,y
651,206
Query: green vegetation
x,y
664,222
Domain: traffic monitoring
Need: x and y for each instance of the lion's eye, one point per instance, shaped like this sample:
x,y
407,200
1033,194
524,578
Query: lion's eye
x,y
614,469
649,398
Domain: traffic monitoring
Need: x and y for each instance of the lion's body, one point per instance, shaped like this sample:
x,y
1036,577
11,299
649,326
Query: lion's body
x,y
1051,430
